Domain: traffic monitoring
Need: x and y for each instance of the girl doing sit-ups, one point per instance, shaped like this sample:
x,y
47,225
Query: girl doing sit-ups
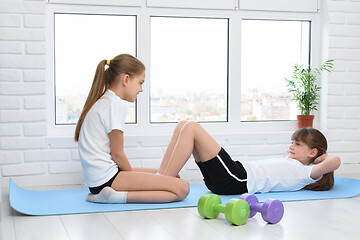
x,y
100,132
305,164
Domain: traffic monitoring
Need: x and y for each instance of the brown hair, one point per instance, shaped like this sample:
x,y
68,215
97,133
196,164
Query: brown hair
x,y
121,64
315,139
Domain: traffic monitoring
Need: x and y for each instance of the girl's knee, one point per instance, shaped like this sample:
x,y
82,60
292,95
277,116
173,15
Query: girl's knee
x,y
182,123
183,190
190,126
179,126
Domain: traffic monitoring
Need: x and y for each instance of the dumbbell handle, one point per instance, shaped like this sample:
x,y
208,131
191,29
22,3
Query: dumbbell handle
x,y
255,207
220,207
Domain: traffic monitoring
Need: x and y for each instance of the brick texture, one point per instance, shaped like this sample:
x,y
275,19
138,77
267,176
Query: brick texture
x,y
28,153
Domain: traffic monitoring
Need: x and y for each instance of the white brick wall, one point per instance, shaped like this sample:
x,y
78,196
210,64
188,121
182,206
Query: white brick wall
x,y
28,154
344,82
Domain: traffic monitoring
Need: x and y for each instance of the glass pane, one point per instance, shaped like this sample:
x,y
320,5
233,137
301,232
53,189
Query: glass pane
x,y
189,69
270,49
81,42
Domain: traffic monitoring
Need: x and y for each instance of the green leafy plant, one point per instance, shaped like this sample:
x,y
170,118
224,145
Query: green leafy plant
x,y
303,86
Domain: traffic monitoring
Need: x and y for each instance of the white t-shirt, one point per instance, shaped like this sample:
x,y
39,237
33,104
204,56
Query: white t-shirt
x,y
277,174
108,113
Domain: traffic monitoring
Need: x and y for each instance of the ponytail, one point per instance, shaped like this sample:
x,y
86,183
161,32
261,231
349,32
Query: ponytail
x,y
98,88
121,64
325,183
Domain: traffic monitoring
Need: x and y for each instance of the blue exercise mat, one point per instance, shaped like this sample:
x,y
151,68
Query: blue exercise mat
x,y
72,201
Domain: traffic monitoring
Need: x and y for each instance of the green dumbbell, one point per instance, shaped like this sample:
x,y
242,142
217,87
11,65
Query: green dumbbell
x,y
236,211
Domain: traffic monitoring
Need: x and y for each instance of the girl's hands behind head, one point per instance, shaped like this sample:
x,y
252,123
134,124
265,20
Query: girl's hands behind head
x,y
320,159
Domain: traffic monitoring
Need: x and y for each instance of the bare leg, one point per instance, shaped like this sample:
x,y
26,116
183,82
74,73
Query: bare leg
x,y
171,146
145,170
148,187
142,185
196,155
188,138
192,136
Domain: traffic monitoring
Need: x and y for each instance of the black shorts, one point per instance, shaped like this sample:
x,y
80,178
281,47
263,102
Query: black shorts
x,y
224,176
96,190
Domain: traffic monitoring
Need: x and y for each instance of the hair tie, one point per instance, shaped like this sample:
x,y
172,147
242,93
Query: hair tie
x,y
108,62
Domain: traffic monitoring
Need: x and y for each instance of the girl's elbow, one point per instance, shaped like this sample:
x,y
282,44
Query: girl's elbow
x,y
116,156
121,161
337,162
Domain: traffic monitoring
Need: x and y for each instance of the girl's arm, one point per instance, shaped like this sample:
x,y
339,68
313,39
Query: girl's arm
x,y
324,164
117,150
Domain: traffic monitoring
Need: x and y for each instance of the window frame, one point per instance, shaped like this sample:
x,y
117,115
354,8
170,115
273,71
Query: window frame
x,y
143,126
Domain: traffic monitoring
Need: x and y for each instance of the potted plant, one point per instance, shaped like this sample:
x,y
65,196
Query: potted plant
x,y
303,86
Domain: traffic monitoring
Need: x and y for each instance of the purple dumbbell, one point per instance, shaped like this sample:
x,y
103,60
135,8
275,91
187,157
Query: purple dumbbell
x,y
272,210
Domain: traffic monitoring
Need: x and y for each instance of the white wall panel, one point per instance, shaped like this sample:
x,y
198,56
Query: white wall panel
x,y
280,5
201,4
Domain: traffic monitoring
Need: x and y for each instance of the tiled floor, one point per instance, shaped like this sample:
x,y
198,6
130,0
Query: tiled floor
x,y
322,219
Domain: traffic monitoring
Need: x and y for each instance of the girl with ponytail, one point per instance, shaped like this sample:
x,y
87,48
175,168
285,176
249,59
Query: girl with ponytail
x,y
315,140
100,136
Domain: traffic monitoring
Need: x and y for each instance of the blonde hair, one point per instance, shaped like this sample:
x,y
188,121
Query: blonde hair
x,y
121,64
315,139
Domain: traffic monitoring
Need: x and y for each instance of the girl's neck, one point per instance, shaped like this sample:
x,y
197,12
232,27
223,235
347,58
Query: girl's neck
x,y
118,92
305,162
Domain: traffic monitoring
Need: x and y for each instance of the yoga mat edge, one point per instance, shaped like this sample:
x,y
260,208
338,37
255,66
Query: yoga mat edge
x,y
72,201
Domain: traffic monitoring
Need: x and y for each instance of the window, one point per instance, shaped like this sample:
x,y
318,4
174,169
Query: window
x,y
204,60
270,49
188,69
81,42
